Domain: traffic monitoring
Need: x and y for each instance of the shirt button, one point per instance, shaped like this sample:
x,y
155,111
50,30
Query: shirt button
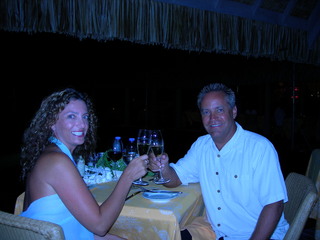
x,y
218,155
218,191
219,208
235,176
218,224
217,173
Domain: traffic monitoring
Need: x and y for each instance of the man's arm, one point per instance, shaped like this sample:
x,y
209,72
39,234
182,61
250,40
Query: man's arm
x,y
167,171
268,220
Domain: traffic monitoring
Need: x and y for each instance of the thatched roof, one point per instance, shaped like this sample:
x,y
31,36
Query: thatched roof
x,y
280,30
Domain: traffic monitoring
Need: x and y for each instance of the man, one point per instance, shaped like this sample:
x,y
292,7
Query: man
x,y
239,173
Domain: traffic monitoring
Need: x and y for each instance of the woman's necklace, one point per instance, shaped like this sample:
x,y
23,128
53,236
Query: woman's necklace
x,y
62,147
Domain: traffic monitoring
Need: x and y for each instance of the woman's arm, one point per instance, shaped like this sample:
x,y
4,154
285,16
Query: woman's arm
x,y
64,178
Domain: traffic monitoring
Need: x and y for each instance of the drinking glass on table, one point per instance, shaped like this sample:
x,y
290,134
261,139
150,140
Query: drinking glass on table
x,y
131,151
116,152
157,148
143,144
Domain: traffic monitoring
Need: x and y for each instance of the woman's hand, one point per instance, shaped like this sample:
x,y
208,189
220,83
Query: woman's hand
x,y
137,167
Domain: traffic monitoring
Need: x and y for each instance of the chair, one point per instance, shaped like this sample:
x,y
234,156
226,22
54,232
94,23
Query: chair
x,y
15,227
302,196
313,172
18,208
314,165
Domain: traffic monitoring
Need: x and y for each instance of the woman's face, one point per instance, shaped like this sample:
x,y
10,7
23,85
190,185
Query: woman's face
x,y
72,124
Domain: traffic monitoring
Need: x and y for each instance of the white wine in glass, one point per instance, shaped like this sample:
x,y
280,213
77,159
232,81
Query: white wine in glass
x,y
143,143
157,148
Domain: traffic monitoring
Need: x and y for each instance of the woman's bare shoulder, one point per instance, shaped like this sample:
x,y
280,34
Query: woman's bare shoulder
x,y
52,155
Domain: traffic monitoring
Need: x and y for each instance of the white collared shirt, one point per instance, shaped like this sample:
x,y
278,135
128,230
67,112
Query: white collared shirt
x,y
236,182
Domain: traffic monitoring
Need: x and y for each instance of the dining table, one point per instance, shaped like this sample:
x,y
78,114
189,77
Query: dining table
x,y
151,216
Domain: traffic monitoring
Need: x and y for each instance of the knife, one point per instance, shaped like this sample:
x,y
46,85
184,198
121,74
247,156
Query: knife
x,y
133,194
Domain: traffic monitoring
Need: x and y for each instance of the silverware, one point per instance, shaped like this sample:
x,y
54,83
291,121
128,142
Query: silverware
x,y
133,194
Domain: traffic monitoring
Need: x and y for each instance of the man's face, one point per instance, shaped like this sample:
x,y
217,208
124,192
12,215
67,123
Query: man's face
x,y
218,117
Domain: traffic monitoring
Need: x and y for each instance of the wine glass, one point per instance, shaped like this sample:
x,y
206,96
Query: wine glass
x,y
143,143
116,152
157,148
131,151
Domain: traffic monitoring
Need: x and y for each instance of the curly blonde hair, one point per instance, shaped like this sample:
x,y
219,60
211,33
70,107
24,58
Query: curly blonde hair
x,y
36,136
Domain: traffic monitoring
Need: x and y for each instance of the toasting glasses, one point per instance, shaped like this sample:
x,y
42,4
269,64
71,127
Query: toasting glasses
x,y
157,148
143,143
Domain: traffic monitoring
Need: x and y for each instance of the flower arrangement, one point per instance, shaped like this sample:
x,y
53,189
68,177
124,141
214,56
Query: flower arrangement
x,y
105,161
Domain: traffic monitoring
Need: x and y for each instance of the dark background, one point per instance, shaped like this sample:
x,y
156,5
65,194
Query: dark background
x,y
135,86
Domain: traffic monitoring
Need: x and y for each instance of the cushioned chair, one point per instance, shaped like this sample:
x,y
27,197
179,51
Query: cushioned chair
x,y
302,196
18,208
15,227
313,172
314,165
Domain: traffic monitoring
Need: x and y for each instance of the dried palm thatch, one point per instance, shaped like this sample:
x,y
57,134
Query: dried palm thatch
x,y
154,22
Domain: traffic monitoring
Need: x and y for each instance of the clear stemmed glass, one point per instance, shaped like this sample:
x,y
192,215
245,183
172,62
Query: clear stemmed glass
x,y
143,143
157,148
116,152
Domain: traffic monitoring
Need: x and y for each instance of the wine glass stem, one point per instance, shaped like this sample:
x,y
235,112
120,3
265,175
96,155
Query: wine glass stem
x,y
160,170
160,173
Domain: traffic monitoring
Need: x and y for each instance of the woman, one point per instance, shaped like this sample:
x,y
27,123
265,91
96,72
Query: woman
x,y
65,127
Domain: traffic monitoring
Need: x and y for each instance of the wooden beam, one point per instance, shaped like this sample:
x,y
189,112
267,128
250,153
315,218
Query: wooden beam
x,y
252,12
314,26
287,11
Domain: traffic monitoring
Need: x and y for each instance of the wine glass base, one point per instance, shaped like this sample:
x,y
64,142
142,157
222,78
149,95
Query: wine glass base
x,y
140,182
161,181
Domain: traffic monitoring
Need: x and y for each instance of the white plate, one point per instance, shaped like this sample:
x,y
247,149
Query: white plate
x,y
159,197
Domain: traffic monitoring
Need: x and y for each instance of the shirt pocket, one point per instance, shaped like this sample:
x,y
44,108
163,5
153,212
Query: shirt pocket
x,y
237,187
